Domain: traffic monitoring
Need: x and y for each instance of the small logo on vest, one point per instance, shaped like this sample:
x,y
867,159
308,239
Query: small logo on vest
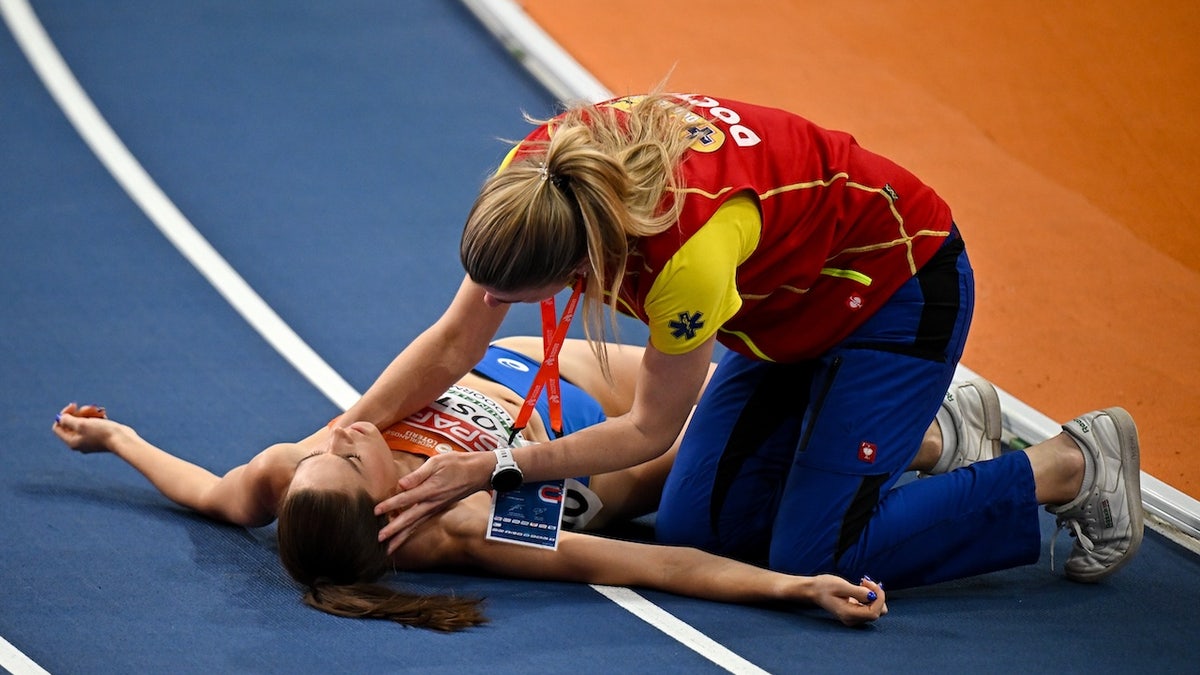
x,y
702,134
686,326
854,302
513,364
867,452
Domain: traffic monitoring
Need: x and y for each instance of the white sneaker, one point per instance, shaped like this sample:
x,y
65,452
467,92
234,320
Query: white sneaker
x,y
970,421
1106,517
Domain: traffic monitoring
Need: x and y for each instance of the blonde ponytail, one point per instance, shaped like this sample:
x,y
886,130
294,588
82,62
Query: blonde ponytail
x,y
602,180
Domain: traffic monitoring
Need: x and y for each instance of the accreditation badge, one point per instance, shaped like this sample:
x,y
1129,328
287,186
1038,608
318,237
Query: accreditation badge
x,y
531,515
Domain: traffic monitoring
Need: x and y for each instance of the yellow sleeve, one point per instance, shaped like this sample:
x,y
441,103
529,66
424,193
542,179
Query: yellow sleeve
x,y
508,158
696,292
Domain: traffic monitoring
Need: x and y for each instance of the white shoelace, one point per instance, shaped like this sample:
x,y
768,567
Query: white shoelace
x,y
1075,531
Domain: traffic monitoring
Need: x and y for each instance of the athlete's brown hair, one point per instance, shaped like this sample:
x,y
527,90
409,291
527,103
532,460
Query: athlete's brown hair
x,y
328,543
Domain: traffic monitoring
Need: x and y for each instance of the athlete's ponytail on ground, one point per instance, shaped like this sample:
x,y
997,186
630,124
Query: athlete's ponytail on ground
x,y
328,543
375,601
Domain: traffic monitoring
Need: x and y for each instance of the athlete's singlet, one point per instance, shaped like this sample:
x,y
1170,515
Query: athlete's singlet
x,y
827,232
462,420
465,420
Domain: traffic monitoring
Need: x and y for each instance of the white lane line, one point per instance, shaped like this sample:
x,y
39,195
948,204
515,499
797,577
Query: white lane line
x,y
104,142
687,635
90,124
15,662
83,115
526,42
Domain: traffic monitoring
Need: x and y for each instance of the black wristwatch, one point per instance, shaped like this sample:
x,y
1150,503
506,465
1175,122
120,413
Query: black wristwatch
x,y
507,476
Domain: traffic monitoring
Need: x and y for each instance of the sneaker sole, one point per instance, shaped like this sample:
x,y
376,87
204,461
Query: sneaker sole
x,y
1132,473
991,414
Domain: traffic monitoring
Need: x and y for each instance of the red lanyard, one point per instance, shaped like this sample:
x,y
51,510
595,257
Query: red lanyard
x,y
547,375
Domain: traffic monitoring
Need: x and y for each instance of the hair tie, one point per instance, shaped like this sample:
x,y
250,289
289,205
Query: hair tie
x,y
543,172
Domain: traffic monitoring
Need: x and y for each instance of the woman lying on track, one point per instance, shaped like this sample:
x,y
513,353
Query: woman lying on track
x,y
324,488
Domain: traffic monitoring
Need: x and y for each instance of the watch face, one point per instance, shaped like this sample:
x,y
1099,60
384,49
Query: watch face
x,y
507,480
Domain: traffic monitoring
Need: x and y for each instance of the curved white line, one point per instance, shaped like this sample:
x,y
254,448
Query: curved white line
x,y
15,662
103,141
90,124
537,51
83,115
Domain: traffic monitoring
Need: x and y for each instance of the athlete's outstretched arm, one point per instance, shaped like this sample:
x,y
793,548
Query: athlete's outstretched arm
x,y
239,497
458,539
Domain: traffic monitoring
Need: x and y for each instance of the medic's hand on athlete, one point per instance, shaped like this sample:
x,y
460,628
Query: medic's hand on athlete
x,y
438,483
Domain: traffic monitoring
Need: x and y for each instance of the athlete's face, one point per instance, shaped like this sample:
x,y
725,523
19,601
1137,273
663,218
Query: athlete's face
x,y
351,458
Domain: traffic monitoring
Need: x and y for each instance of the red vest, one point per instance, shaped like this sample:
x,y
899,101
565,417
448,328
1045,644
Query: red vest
x,y
842,228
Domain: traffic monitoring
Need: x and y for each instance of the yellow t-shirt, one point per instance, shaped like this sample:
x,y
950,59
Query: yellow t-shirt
x,y
696,292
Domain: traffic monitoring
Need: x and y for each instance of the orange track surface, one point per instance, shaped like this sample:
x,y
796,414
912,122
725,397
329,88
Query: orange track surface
x,y
1066,138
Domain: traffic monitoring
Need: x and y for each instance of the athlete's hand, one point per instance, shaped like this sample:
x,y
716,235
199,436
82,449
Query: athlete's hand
x,y
851,604
435,486
85,428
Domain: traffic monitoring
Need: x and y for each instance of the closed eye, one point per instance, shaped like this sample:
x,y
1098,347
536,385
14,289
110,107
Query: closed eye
x,y
349,458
